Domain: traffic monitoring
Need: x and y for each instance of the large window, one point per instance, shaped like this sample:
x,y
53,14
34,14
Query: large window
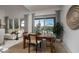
x,y
14,24
46,24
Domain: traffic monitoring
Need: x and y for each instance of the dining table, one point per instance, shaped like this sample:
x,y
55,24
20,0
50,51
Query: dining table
x,y
48,37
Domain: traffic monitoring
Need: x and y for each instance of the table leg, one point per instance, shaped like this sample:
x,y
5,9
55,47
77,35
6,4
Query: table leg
x,y
40,47
36,45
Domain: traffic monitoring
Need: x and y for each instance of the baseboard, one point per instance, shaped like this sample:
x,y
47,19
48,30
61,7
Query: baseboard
x,y
65,46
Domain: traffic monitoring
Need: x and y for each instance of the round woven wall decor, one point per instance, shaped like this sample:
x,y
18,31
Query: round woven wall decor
x,y
73,17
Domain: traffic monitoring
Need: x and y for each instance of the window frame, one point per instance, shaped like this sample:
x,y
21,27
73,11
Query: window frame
x,y
44,21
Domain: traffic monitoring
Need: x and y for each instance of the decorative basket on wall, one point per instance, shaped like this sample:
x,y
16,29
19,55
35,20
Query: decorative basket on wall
x,y
73,17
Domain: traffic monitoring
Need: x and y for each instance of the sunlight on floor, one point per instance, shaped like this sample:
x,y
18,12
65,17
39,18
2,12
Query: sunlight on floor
x,y
8,44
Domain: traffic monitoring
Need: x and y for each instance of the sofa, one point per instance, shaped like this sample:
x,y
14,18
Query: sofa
x,y
10,36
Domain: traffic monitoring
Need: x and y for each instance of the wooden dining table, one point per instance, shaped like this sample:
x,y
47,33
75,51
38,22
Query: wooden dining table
x,y
48,37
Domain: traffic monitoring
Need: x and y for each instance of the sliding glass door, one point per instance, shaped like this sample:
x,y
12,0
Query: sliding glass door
x,y
49,23
16,23
10,23
46,24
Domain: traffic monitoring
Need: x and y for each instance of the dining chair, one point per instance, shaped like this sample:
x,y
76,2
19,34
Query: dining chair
x,y
25,39
33,41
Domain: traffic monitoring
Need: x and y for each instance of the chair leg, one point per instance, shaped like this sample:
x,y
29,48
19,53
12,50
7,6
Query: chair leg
x,y
40,47
29,47
51,45
40,44
24,43
36,46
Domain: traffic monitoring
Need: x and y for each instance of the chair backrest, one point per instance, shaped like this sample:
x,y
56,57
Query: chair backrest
x,y
25,35
32,36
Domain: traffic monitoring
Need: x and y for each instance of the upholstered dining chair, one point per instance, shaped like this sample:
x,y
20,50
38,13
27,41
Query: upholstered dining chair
x,y
25,39
34,41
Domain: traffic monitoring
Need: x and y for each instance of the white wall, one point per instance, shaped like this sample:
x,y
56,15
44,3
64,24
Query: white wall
x,y
29,22
15,11
2,14
71,37
2,33
45,12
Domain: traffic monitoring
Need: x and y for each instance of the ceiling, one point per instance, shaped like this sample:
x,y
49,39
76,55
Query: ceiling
x,y
31,7
13,7
42,7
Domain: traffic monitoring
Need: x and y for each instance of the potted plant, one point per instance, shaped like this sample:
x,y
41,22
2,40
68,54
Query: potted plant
x,y
58,30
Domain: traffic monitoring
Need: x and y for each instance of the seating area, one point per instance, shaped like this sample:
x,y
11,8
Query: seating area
x,y
13,35
39,28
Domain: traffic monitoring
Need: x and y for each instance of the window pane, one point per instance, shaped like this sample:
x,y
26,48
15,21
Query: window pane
x,y
10,23
36,22
49,22
16,23
42,22
22,23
